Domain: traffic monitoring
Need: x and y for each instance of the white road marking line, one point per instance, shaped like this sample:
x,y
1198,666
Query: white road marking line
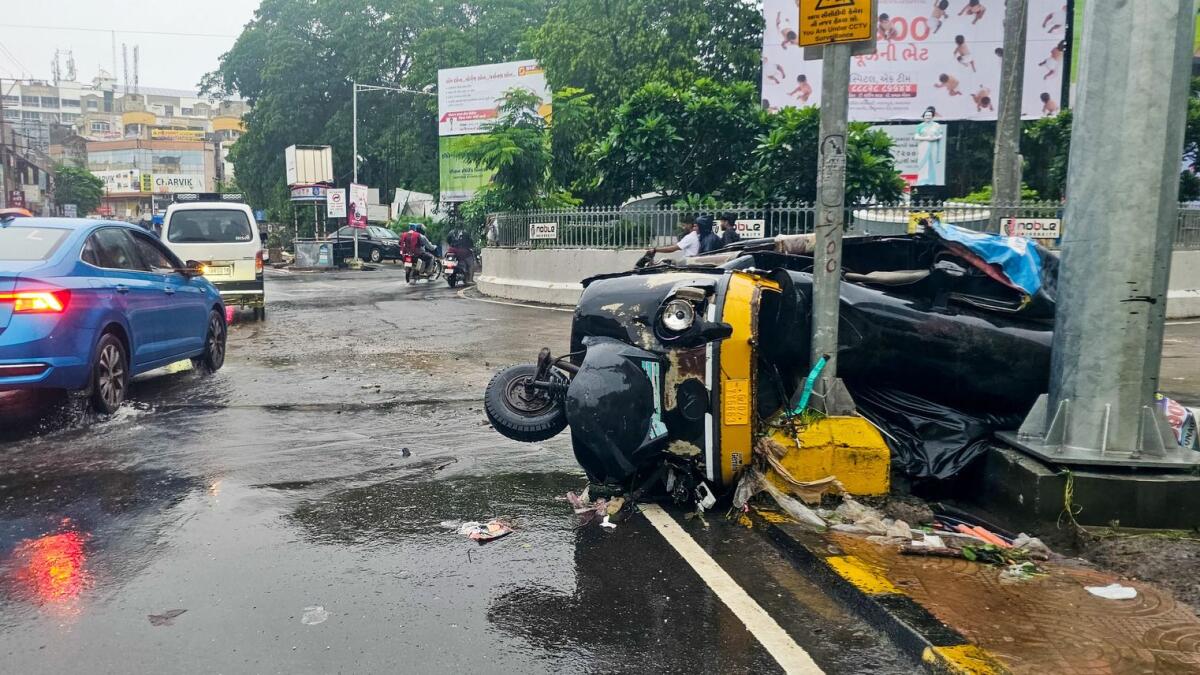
x,y
1182,323
789,655
513,304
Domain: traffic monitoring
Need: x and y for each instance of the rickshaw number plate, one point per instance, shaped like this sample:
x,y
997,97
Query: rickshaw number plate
x,y
737,402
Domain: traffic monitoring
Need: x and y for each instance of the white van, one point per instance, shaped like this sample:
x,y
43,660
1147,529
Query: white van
x,y
218,231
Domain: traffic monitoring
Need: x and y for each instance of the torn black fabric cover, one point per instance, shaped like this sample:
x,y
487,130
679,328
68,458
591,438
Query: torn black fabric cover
x,y
928,439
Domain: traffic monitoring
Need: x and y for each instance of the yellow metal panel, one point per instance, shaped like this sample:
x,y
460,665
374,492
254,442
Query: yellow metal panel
x,y
864,577
848,448
737,372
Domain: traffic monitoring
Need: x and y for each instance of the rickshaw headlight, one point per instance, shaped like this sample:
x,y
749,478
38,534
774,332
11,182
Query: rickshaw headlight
x,y
678,316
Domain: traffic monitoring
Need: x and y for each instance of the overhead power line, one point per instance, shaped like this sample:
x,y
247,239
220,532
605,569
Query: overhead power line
x,y
120,30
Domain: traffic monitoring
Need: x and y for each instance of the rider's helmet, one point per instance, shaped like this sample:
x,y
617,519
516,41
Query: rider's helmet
x,y
418,227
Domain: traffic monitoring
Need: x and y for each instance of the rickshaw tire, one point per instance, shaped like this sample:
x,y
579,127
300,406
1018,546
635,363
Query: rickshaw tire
x,y
524,427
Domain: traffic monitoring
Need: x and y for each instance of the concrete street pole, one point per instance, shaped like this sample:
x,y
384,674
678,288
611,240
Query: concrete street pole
x,y
831,215
354,114
1006,165
1122,191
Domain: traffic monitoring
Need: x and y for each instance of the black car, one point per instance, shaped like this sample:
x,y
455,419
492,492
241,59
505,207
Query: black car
x,y
375,244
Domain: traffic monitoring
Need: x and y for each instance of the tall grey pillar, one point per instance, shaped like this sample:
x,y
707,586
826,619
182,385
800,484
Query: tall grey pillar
x,y
1122,191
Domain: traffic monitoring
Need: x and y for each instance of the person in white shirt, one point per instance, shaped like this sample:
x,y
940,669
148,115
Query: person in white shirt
x,y
689,244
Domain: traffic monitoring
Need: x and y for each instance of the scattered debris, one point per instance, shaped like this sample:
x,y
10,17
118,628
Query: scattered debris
x,y
585,508
1113,592
313,615
405,452
753,482
167,618
606,523
1020,571
484,532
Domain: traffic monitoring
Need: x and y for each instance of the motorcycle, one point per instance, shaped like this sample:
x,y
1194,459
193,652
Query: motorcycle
x,y
458,270
419,268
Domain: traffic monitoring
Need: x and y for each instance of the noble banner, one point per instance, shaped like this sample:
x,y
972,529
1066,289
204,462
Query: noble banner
x,y
943,54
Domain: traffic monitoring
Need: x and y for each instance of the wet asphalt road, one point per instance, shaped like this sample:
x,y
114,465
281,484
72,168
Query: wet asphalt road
x,y
302,506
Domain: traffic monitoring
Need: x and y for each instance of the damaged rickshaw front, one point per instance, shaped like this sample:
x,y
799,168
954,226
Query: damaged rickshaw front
x,y
676,372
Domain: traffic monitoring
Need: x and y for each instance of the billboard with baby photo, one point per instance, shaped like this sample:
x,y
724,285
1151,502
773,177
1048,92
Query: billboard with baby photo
x,y
943,54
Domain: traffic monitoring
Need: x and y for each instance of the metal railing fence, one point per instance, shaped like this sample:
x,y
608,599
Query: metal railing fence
x,y
639,226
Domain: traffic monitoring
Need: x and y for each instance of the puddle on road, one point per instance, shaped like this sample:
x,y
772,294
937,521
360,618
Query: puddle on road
x,y
65,537
425,502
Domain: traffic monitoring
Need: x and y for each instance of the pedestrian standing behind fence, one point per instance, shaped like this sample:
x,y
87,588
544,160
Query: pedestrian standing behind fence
x,y
729,233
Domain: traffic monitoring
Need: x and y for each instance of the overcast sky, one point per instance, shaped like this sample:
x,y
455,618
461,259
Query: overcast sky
x,y
30,31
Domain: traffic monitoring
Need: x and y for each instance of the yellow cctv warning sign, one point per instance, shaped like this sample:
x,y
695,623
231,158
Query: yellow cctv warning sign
x,y
824,22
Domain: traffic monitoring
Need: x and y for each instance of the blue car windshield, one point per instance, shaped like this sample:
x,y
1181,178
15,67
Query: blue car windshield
x,y
30,243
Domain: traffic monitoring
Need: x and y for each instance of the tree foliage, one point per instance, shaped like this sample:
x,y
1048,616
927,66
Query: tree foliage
x,y
611,48
295,63
73,185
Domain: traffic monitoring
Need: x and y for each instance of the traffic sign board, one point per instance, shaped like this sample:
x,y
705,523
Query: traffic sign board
x,y
335,204
825,22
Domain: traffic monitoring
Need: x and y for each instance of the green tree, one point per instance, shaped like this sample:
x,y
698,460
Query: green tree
x,y
1045,147
784,161
611,48
73,185
679,141
295,62
517,150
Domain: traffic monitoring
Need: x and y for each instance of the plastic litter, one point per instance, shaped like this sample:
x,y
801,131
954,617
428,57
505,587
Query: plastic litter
x,y
1019,571
313,615
1112,592
1033,546
484,532
606,523
588,510
166,618
753,482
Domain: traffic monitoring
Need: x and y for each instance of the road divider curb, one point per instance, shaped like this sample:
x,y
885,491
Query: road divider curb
x,y
852,580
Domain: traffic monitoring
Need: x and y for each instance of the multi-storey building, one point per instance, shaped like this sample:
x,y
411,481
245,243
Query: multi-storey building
x,y
145,144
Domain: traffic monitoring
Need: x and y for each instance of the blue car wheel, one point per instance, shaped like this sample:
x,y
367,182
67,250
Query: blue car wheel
x,y
110,375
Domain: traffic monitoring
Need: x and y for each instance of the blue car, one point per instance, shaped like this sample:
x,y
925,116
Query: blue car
x,y
85,305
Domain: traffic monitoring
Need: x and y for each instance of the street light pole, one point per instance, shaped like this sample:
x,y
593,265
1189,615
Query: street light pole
x,y
354,133
354,106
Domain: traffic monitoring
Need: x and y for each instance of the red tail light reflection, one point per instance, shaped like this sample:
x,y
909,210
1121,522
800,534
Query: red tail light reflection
x,y
51,568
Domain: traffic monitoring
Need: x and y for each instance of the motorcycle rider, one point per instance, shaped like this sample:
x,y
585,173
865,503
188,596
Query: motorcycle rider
x,y
462,247
415,243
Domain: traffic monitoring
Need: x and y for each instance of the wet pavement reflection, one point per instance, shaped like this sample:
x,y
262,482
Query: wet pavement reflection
x,y
299,512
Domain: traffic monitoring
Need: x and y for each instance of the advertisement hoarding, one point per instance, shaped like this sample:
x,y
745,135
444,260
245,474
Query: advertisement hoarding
x,y
124,180
308,164
178,182
543,230
468,104
904,151
458,179
468,98
356,210
177,134
1033,228
308,193
925,56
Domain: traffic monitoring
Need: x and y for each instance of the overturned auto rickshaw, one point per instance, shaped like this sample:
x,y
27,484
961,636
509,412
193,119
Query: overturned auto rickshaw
x,y
676,371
